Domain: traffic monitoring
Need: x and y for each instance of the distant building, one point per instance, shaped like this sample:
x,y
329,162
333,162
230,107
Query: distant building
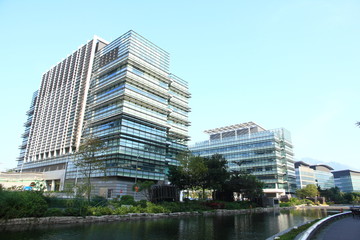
x,y
323,176
304,174
267,154
347,180
319,175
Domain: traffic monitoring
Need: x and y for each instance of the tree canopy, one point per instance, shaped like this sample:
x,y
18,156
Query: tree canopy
x,y
88,160
246,184
309,191
195,172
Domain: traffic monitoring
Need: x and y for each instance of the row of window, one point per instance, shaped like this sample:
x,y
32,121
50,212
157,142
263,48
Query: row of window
x,y
235,148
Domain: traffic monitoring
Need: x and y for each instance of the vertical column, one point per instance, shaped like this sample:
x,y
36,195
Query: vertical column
x,y
53,185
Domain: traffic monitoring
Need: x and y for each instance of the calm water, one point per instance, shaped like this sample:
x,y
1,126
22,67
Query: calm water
x,y
240,226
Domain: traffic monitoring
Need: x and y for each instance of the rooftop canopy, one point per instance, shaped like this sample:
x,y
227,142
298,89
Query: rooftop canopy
x,y
247,125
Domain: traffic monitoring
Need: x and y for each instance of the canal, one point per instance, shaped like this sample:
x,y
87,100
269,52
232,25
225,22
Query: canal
x,y
222,227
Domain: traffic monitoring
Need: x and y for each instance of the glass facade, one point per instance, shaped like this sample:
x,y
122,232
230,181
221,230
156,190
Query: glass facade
x,y
347,180
323,176
267,154
304,175
121,92
319,175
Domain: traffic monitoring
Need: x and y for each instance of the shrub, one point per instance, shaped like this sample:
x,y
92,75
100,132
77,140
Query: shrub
x,y
285,204
99,211
22,204
121,210
80,211
127,200
214,205
54,202
234,205
142,203
54,212
128,209
152,208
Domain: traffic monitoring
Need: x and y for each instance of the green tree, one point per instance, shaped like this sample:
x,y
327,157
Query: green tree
x,y
246,184
217,173
309,191
190,173
333,194
88,159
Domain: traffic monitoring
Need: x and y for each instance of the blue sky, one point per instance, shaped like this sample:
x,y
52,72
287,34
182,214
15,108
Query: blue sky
x,y
279,63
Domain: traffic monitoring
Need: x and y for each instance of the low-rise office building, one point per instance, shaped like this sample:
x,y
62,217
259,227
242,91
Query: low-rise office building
x,y
319,175
267,154
305,175
323,176
347,180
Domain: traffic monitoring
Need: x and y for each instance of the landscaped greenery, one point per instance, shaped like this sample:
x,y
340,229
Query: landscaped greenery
x,y
16,204
201,173
296,231
295,202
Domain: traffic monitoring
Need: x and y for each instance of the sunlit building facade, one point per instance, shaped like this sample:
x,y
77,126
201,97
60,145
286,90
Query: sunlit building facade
x,y
347,180
323,176
121,92
267,154
305,175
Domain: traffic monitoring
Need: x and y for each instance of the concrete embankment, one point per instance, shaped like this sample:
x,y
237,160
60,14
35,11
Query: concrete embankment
x,y
5,224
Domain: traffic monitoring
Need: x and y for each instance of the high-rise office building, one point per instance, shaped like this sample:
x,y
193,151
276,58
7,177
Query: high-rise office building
x,y
121,92
248,147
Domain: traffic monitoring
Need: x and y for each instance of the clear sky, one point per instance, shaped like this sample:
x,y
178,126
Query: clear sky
x,y
279,63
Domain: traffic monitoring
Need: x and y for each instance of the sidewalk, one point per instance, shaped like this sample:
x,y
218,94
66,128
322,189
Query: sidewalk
x,y
347,228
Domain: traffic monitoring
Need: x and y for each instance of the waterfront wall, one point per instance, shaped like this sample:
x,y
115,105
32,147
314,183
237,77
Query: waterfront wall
x,y
6,224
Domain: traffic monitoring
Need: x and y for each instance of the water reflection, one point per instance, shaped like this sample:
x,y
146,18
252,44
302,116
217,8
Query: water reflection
x,y
223,227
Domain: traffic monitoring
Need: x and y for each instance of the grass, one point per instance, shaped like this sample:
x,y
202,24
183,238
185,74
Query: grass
x,y
293,233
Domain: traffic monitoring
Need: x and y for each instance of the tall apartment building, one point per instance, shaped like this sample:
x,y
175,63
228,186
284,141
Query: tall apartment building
x,y
121,92
347,180
248,147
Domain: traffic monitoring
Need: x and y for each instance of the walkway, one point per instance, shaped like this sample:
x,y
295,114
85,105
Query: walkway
x,y
347,228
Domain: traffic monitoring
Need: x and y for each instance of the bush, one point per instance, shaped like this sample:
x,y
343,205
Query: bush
x,y
295,201
54,202
188,206
99,201
128,209
152,208
286,204
235,205
142,203
80,211
127,200
214,205
99,211
22,204
54,212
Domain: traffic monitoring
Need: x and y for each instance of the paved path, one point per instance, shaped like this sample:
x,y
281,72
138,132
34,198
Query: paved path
x,y
344,229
